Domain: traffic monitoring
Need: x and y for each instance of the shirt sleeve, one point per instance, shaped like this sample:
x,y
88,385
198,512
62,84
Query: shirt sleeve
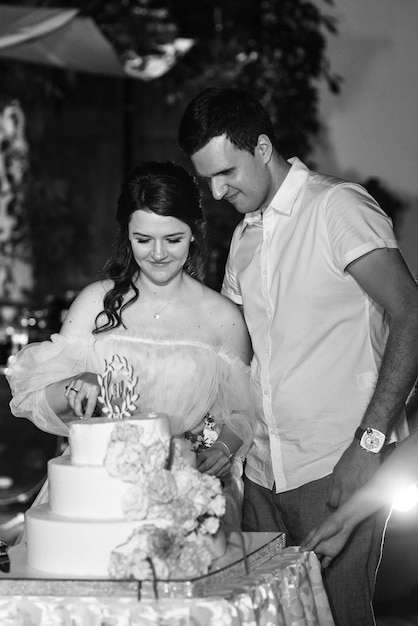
x,y
356,224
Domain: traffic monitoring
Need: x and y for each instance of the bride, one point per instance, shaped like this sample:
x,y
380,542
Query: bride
x,y
188,345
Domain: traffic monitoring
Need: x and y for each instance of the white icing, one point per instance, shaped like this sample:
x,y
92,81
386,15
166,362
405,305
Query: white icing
x,y
64,546
77,491
88,445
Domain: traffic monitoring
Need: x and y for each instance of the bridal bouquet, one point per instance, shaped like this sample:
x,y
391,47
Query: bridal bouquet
x,y
179,509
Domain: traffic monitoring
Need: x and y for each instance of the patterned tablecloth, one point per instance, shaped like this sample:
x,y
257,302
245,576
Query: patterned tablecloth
x,y
287,590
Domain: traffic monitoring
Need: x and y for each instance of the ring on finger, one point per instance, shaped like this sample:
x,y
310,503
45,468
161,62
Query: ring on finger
x,y
68,389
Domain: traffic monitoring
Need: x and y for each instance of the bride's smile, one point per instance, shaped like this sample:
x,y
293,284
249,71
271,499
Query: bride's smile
x,y
160,245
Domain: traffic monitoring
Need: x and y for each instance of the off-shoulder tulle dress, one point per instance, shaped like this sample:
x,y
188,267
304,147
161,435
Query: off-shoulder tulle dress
x,y
185,377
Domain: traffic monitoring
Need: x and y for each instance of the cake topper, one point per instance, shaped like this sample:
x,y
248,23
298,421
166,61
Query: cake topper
x,y
117,388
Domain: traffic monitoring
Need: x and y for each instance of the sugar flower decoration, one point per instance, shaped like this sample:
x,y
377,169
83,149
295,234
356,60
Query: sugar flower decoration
x,y
179,509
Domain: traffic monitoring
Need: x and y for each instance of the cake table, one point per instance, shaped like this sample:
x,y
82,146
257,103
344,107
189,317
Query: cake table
x,y
273,584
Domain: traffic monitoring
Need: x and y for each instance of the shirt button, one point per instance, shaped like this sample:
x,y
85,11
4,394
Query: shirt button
x,y
264,272
266,393
272,431
267,232
268,312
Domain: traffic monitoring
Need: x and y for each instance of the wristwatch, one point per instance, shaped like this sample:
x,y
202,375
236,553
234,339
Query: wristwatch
x,y
370,439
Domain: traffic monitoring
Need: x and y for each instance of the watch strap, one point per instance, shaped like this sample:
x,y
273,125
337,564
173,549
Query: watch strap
x,y
359,433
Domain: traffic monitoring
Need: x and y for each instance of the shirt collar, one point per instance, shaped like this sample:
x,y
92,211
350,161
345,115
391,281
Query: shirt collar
x,y
253,219
284,199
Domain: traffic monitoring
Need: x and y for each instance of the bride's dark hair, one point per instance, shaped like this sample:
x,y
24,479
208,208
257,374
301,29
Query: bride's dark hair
x,y
165,189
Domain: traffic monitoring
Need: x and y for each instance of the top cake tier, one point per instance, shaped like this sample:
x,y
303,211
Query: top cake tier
x,y
89,438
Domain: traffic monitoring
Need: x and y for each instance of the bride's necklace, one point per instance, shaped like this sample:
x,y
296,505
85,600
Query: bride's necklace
x,y
171,300
157,314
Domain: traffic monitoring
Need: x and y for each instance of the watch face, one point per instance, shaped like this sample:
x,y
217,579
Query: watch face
x,y
372,440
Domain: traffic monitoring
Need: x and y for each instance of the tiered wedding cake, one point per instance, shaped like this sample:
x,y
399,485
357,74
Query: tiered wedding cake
x,y
124,502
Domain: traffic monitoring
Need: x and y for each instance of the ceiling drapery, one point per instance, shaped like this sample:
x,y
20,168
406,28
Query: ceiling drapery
x,y
62,38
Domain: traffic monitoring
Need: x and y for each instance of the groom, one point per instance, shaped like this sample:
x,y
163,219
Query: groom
x,y
316,267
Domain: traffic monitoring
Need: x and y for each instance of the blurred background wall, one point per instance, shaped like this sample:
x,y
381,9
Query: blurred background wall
x,y
371,127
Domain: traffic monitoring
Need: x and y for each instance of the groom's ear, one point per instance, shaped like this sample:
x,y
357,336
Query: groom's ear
x,y
264,147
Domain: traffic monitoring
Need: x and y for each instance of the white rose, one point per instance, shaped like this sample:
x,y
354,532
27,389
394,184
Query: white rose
x,y
161,486
135,503
210,525
217,506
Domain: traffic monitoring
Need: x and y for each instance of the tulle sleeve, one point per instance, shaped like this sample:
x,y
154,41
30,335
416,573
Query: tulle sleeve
x,y
35,367
234,405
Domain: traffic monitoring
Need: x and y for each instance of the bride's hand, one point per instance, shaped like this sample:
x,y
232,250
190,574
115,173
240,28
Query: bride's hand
x,y
82,393
214,461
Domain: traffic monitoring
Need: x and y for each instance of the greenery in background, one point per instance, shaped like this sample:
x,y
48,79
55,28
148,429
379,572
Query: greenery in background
x,y
276,48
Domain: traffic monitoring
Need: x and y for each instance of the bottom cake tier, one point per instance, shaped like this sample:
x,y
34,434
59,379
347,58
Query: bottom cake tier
x,y
69,547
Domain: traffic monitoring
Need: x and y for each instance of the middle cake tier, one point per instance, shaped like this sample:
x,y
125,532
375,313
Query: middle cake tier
x,y
84,491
